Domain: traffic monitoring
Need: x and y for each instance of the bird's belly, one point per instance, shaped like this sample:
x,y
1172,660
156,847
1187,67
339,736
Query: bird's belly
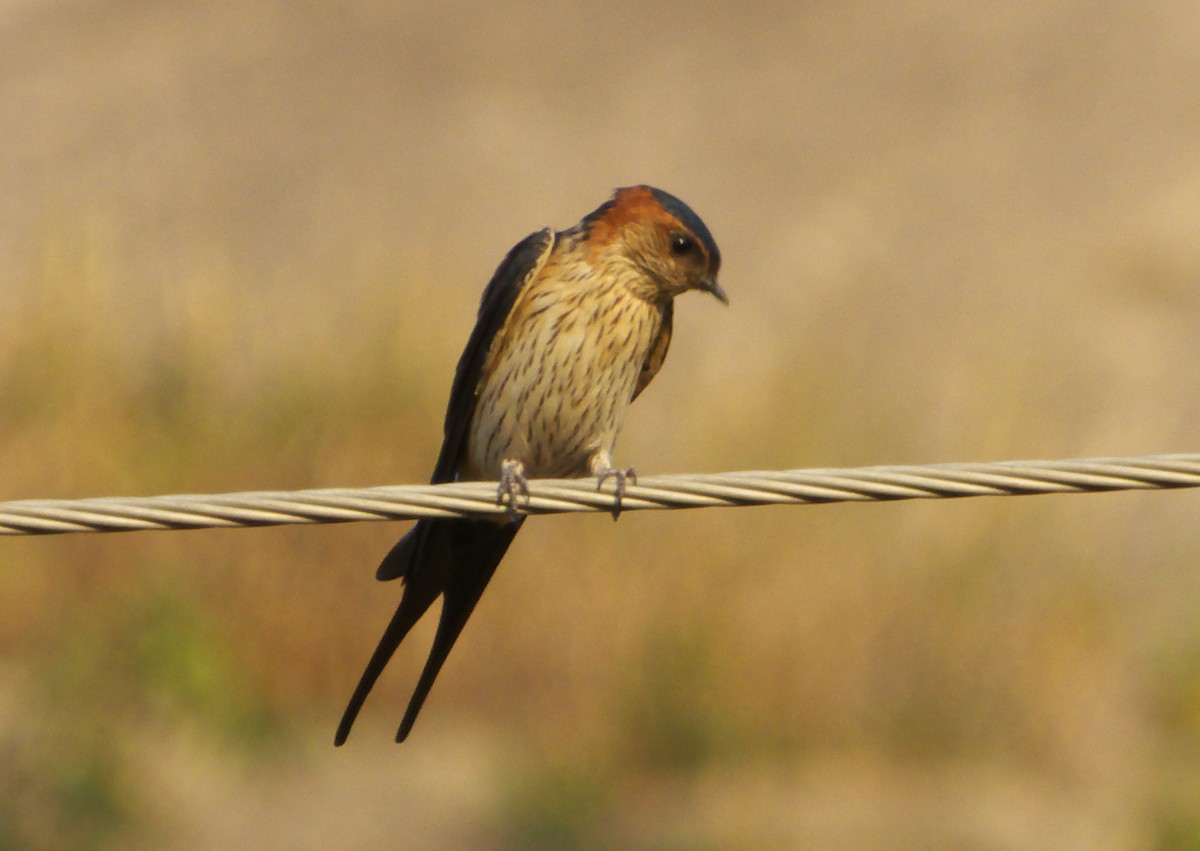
x,y
559,387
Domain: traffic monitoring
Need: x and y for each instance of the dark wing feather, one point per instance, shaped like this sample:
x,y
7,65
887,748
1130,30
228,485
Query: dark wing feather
x,y
658,351
518,268
452,558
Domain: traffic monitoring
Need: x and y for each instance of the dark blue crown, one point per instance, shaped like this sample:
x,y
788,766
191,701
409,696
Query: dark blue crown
x,y
691,221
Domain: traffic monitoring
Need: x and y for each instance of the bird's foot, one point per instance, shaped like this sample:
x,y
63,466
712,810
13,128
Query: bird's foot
x,y
513,486
621,476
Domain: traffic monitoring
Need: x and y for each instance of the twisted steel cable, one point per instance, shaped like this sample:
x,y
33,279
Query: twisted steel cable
x,y
551,496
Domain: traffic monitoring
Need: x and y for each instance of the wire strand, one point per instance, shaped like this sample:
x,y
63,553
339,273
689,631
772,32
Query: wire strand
x,y
553,496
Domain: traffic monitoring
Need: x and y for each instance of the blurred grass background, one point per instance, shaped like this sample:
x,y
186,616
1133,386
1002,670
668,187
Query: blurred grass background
x,y
241,245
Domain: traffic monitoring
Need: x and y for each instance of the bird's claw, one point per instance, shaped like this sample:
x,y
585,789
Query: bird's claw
x,y
621,476
513,486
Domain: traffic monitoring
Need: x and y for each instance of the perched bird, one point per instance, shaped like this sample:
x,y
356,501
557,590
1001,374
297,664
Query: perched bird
x,y
572,327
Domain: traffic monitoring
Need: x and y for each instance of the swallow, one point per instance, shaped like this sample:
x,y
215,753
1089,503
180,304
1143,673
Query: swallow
x,y
572,327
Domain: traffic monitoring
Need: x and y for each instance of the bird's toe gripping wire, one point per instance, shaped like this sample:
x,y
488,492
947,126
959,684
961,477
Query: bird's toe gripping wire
x,y
513,486
620,477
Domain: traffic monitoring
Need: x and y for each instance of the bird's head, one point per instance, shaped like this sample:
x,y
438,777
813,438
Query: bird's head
x,y
662,236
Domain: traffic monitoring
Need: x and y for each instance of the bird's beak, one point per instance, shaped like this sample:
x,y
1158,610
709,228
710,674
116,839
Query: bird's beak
x,y
710,285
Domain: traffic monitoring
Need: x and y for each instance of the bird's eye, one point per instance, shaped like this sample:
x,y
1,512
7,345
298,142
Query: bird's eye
x,y
682,244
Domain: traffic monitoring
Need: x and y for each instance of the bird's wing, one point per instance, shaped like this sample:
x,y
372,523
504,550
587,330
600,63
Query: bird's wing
x,y
658,351
520,266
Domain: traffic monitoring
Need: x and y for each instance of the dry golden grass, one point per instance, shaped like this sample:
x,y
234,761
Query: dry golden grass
x,y
242,247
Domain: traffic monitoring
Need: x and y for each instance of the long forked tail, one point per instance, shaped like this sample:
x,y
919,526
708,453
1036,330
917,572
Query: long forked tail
x,y
414,602
454,558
